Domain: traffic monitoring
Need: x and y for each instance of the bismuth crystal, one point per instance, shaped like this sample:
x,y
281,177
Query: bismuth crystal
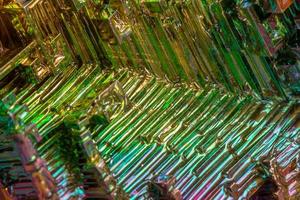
x,y
149,99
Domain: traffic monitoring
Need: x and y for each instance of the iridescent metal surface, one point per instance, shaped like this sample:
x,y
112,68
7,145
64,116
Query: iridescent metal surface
x,y
149,99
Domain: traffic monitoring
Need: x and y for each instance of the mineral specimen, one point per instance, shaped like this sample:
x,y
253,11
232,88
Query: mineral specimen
x,y
149,99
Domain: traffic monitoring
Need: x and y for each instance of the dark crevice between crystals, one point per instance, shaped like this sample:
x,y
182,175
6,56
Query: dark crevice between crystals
x,y
266,191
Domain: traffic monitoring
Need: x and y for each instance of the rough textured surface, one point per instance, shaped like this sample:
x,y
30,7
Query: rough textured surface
x,y
151,99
